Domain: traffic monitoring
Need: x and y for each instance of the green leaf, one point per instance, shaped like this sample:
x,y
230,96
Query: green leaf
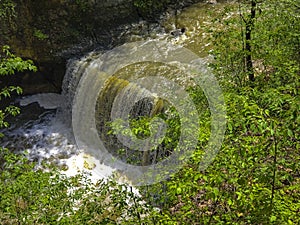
x,y
273,219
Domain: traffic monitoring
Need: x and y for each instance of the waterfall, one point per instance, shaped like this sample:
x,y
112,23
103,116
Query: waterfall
x,y
133,82
128,108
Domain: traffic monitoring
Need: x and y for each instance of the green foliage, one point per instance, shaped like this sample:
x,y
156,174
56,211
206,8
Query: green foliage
x,y
140,127
255,178
275,40
9,64
30,196
40,35
7,9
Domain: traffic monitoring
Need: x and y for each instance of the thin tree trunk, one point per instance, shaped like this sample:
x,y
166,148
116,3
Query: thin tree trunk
x,y
248,46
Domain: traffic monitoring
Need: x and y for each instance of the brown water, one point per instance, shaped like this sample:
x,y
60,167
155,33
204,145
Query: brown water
x,y
199,21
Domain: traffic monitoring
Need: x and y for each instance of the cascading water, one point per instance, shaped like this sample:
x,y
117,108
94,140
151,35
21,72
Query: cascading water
x,y
50,136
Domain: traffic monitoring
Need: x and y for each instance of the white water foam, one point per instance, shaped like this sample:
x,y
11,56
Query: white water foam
x,y
49,138
45,100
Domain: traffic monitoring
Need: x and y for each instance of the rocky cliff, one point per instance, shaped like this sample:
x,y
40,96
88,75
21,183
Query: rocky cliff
x,y
52,31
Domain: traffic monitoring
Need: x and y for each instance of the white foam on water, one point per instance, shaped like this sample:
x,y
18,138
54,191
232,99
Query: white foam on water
x,y
84,163
49,139
45,100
